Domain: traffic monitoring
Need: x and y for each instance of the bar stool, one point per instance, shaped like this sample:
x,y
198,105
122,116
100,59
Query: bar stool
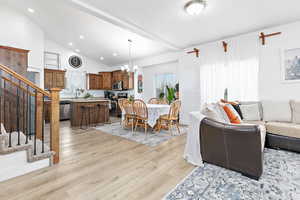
x,y
85,113
105,109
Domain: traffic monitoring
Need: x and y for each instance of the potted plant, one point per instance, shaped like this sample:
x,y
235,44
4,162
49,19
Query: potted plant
x,y
177,90
170,94
161,95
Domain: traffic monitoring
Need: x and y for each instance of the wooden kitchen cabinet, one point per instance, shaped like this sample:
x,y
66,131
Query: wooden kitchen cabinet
x,y
127,79
117,76
106,80
95,81
15,59
54,78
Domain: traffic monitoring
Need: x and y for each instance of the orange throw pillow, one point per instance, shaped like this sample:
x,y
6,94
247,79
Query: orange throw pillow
x,y
232,117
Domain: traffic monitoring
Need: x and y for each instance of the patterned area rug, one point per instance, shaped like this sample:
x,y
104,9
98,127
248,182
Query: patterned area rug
x,y
153,138
280,181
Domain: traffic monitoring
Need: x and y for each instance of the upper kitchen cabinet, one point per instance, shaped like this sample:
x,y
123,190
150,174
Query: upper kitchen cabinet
x,y
14,58
95,81
54,78
117,76
106,80
126,78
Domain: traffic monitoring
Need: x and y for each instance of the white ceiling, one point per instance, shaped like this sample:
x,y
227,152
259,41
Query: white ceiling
x,y
222,18
64,23
155,26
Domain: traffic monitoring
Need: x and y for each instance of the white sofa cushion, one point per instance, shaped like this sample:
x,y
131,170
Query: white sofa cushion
x,y
284,128
295,105
250,112
254,102
278,111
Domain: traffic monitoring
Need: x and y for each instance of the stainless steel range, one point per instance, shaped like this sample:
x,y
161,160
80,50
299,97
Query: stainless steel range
x,y
115,109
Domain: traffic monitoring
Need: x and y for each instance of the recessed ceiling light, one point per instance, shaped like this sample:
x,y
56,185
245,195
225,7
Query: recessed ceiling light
x,y
30,10
101,58
115,54
70,44
81,37
77,50
195,7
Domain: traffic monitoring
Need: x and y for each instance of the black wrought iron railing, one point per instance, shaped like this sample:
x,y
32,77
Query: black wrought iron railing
x,y
22,113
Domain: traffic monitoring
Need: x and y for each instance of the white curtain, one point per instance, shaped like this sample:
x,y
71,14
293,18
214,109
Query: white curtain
x,y
237,70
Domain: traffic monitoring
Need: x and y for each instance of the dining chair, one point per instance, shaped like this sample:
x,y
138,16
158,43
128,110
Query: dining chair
x,y
141,112
120,103
153,101
171,119
163,101
129,116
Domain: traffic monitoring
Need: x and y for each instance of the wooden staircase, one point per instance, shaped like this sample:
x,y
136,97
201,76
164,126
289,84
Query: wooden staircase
x,y
22,118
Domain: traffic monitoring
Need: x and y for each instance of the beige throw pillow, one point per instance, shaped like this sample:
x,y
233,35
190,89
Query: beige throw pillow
x,y
215,111
250,112
295,105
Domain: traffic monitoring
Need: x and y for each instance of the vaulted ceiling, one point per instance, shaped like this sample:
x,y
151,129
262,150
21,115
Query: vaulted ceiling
x,y
155,26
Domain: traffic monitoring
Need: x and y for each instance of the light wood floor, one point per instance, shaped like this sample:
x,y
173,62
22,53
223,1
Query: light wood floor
x,y
96,165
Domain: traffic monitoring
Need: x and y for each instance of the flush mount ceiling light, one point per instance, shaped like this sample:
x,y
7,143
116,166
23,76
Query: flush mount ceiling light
x,y
77,50
70,44
30,10
101,58
81,37
195,7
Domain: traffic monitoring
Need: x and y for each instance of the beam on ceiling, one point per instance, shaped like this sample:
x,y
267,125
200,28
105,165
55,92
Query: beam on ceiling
x,y
121,23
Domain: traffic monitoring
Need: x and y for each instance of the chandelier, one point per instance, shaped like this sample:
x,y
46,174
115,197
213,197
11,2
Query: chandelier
x,y
129,67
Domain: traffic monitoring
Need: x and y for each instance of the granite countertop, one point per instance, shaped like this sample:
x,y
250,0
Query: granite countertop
x,y
83,100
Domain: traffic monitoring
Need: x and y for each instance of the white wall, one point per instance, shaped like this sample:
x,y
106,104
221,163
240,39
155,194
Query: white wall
x,y
20,32
270,84
76,76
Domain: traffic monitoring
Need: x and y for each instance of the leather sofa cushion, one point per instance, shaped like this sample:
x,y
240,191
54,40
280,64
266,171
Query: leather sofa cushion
x,y
284,128
262,128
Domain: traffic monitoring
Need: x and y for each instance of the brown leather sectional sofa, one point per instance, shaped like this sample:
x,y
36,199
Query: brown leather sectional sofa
x,y
238,148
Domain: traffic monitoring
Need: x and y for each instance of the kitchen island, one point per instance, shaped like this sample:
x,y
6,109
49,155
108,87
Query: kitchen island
x,y
89,112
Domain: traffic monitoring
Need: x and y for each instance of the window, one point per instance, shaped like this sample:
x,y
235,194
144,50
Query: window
x,y
163,80
237,71
52,60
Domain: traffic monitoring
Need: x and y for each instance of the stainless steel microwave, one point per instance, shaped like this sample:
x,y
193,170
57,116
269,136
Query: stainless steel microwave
x,y
118,85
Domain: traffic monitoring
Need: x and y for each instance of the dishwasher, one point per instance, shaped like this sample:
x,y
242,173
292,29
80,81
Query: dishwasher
x,y
64,110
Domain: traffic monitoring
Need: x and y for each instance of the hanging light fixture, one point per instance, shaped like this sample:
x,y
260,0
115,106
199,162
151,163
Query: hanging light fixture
x,y
195,7
130,67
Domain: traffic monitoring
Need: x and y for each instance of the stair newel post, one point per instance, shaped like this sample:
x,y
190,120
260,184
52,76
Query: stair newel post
x,y
54,123
39,115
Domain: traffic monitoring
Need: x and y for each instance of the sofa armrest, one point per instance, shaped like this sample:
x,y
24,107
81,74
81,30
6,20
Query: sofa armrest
x,y
232,146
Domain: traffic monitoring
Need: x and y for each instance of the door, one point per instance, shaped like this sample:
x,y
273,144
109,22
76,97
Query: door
x,y
107,80
92,82
48,79
59,79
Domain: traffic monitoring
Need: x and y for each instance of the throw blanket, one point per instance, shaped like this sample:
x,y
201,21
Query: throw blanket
x,y
192,152
192,148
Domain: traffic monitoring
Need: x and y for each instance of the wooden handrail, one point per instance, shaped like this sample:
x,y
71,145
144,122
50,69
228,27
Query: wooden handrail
x,y
23,79
16,85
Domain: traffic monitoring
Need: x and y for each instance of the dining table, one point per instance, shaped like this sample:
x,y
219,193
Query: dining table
x,y
154,112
